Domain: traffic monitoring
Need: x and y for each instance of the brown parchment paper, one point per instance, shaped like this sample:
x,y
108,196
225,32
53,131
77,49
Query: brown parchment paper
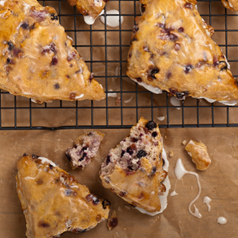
x,y
219,182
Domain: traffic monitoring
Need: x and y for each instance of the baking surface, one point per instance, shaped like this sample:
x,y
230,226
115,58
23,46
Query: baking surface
x,y
219,182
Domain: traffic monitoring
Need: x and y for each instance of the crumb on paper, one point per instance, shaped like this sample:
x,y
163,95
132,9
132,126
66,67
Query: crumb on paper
x,y
118,100
112,221
198,153
184,142
171,154
165,137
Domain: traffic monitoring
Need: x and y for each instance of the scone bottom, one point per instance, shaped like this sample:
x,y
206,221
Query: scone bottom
x,y
53,201
134,169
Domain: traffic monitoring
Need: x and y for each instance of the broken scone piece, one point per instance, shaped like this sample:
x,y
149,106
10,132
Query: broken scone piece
x,y
85,149
231,4
53,201
172,50
199,154
37,59
133,170
90,8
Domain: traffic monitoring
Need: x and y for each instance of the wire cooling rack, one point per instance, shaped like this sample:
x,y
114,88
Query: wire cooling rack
x,y
104,50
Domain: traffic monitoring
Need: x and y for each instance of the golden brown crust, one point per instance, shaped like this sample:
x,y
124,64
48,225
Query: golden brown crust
x,y
199,154
89,7
37,58
53,201
143,186
231,4
172,50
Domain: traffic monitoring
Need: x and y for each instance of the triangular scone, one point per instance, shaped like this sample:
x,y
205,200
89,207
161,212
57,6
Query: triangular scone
x,y
231,4
37,59
53,201
85,149
171,50
133,170
89,7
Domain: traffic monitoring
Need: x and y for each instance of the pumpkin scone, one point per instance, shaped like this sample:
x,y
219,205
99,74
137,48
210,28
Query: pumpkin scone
x,y
37,59
85,149
89,7
53,201
231,4
134,169
172,50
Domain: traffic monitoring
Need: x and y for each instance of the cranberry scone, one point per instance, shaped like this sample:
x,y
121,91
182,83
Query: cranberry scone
x,y
134,169
90,8
172,50
85,149
37,59
231,4
53,201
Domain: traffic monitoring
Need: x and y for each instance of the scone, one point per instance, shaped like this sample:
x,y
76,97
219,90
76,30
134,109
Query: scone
x,y
231,4
37,59
53,201
85,149
133,170
172,50
89,7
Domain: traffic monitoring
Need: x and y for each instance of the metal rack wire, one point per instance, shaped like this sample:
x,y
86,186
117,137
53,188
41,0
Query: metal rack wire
x,y
107,59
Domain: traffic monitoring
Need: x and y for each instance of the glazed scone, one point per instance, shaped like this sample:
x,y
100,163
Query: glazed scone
x,y
231,4
85,149
37,59
172,50
89,7
199,154
133,170
53,201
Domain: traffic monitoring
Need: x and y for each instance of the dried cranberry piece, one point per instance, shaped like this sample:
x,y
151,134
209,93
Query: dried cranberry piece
x,y
54,17
152,72
173,37
91,77
83,156
108,160
95,200
52,47
43,224
139,80
133,139
181,29
168,75
151,125
141,153
161,25
188,68
129,150
188,5
10,45
153,170
133,39
122,193
154,134
113,222
123,152
56,86
16,52
68,192
105,204
224,65
135,28
9,61
54,61
25,26
72,96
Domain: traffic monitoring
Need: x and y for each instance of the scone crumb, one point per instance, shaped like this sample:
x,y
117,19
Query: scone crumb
x,y
112,221
199,154
184,142
171,154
